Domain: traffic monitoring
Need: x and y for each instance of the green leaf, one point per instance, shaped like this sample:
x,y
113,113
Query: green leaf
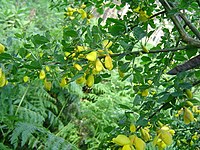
x,y
5,56
106,75
80,74
124,68
69,33
191,53
139,33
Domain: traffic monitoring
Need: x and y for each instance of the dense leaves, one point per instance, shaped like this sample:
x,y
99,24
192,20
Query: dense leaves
x,y
95,74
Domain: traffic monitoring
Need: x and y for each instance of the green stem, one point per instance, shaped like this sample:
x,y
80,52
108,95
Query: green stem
x,y
22,99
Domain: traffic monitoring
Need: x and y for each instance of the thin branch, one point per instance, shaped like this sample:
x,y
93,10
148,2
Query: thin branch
x,y
174,49
185,37
159,13
196,83
190,25
198,2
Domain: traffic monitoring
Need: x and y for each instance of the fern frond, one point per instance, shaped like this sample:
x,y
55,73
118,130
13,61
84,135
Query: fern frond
x,y
30,116
4,147
57,143
23,131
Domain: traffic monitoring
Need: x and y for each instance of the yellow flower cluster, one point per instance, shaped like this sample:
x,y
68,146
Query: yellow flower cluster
x,y
70,12
42,76
143,17
132,142
188,116
2,48
3,80
97,60
164,137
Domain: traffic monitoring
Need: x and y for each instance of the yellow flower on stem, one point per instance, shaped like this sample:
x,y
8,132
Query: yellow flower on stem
x,y
2,48
26,79
3,80
90,80
121,140
92,56
145,134
98,65
47,85
137,142
78,67
107,44
42,74
108,62
83,13
132,128
187,115
63,82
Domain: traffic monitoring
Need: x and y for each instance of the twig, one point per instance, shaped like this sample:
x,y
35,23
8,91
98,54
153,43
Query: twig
x,y
190,25
22,99
159,13
185,37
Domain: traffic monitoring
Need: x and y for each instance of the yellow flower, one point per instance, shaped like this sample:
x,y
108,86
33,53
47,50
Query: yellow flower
x,y
107,44
121,140
138,142
3,80
145,93
145,134
143,17
70,9
108,62
78,67
81,80
187,115
195,136
90,80
196,109
121,74
150,82
63,82
98,65
145,49
80,48
47,68
47,85
161,145
137,10
83,13
126,147
26,79
42,74
188,93
92,56
2,48
166,137
67,54
132,128
83,6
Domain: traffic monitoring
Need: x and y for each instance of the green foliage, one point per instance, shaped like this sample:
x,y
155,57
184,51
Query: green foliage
x,y
49,101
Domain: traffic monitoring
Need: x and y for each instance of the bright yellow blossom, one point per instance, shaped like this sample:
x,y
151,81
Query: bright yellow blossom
x,y
92,56
187,115
121,140
42,74
2,48
26,79
108,62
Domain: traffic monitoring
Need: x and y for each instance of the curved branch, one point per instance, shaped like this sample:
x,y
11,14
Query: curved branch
x,y
190,64
174,49
185,37
190,25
